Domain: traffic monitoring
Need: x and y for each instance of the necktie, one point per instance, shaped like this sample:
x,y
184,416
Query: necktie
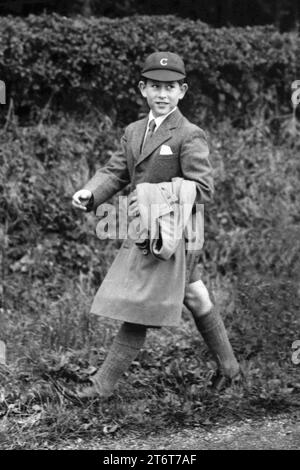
x,y
151,129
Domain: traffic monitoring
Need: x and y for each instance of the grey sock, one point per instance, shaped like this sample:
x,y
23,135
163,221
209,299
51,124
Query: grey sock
x,y
123,351
212,328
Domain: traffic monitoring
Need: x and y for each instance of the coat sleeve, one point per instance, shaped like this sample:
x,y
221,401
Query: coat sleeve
x,y
195,165
111,178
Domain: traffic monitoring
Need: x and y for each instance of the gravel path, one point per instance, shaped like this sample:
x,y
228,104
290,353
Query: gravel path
x,y
271,433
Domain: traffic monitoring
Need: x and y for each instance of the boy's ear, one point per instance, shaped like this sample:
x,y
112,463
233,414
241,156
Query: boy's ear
x,y
184,88
142,86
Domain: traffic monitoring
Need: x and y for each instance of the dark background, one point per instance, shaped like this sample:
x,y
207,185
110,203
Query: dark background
x,y
283,13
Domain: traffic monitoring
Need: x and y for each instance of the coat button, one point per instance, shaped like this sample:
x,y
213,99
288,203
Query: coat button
x,y
145,252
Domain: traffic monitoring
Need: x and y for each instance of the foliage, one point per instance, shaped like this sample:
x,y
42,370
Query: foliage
x,y
214,12
73,63
53,263
251,224
57,345
41,167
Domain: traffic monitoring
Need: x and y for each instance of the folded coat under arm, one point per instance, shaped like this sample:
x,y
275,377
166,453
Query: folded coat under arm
x,y
166,216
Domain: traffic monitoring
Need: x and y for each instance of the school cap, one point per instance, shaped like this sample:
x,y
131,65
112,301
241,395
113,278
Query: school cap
x,y
164,67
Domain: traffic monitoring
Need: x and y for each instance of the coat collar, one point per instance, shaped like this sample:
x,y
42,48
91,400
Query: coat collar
x,y
162,134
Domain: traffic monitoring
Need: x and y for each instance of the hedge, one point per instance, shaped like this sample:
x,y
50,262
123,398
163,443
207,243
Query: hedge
x,y
76,62
251,225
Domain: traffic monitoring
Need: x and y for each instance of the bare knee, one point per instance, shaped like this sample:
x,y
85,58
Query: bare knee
x,y
197,299
190,300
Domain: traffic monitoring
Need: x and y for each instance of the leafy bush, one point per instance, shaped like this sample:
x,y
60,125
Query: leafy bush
x,y
52,263
41,167
252,223
82,62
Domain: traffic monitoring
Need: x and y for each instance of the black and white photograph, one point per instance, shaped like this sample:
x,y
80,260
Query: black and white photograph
x,y
149,228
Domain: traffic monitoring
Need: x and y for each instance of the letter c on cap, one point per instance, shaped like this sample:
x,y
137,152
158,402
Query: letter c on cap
x,y
164,61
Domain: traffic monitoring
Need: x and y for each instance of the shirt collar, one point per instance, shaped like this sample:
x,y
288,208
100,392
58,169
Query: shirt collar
x,y
159,120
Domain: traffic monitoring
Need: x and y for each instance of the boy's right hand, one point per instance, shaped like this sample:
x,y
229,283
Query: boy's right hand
x,y
81,199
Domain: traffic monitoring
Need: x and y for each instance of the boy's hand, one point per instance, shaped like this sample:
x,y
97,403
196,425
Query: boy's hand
x,y
81,199
133,208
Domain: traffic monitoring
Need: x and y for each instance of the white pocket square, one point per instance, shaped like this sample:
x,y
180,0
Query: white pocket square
x,y
165,150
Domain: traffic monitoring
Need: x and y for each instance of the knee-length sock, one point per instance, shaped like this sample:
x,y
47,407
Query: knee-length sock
x,y
212,328
124,349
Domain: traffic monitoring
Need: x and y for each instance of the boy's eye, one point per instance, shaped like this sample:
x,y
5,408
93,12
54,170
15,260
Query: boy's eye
x,y
168,87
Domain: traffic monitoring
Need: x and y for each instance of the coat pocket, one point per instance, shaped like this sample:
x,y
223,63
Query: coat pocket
x,y
163,168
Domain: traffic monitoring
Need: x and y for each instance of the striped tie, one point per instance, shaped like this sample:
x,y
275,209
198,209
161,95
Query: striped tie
x,y
151,129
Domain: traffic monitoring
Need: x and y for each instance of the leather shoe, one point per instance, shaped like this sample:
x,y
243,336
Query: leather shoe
x,y
220,382
91,392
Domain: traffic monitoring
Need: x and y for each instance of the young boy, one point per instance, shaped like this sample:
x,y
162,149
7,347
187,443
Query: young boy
x,y
142,160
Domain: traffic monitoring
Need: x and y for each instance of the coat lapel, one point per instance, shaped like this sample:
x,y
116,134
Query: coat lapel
x,y
163,133
137,138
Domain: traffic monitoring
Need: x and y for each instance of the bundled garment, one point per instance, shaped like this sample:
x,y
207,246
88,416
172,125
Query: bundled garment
x,y
168,214
146,282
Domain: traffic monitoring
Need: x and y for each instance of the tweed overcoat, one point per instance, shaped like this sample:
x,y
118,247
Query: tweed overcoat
x,y
188,159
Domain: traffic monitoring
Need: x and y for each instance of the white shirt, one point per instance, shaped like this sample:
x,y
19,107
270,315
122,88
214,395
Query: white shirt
x,y
159,120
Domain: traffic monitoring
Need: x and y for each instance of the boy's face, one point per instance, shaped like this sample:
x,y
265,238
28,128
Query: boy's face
x,y
162,97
